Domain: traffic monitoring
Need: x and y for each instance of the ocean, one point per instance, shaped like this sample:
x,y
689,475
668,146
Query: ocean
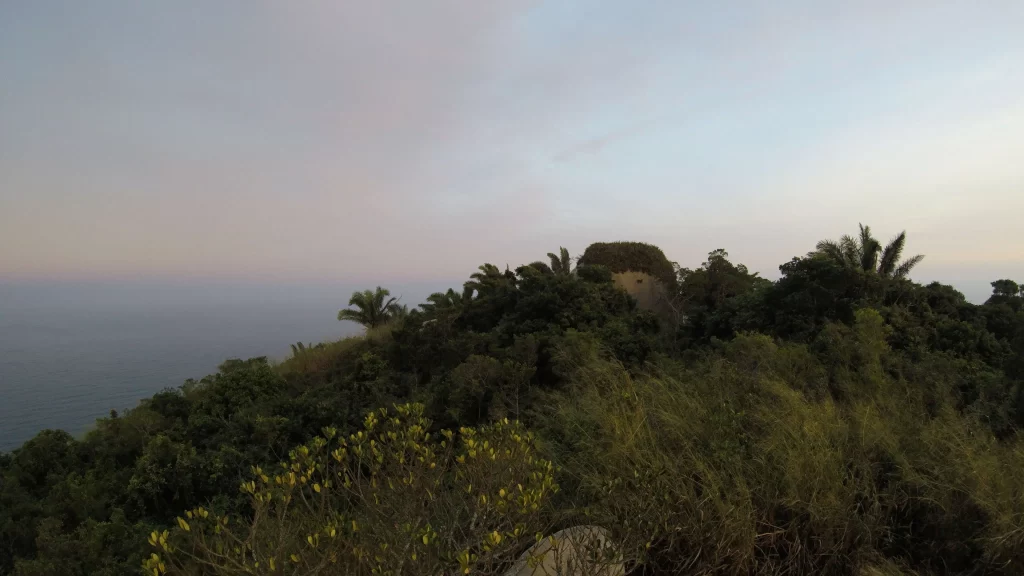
x,y
72,352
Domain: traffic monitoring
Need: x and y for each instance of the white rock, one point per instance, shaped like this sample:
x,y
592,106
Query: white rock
x,y
577,551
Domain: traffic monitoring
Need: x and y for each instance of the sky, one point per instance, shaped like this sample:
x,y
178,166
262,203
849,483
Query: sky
x,y
389,142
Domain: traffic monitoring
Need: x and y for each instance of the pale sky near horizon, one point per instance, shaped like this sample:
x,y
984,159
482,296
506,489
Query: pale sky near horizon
x,y
412,141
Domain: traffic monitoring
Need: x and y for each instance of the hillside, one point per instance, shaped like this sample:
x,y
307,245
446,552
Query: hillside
x,y
840,420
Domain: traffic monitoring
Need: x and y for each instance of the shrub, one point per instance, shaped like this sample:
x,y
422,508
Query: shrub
x,y
390,499
727,466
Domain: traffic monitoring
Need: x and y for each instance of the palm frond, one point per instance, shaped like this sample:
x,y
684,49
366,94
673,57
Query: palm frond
x,y
360,299
869,255
851,251
832,249
352,316
542,267
486,271
904,269
560,263
396,311
566,261
891,255
373,307
436,298
866,253
865,235
556,264
489,278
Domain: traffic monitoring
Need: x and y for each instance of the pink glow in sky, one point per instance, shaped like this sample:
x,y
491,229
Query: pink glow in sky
x,y
408,141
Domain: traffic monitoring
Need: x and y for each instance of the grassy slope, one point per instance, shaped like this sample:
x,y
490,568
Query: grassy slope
x,y
735,467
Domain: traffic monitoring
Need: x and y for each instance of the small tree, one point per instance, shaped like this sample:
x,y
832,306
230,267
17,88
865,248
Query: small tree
x,y
1006,288
373,308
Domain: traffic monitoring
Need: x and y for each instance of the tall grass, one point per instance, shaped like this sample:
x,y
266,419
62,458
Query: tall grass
x,y
753,461
317,359
320,358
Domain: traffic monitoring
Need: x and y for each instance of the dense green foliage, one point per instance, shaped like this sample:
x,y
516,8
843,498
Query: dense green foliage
x,y
839,420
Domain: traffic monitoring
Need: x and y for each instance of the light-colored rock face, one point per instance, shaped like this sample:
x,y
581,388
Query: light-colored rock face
x,y
646,289
576,551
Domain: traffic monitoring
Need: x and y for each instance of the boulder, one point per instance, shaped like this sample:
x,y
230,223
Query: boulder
x,y
575,551
649,292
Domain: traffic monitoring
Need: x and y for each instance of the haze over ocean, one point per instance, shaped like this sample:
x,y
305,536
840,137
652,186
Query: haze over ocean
x,y
71,352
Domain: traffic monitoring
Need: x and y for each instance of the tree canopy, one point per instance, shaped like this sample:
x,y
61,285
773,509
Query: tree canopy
x,y
866,253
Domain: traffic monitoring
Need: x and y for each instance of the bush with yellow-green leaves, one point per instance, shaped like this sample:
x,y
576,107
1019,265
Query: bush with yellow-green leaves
x,y
390,499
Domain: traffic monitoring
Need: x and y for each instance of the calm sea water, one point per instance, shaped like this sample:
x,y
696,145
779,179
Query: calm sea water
x,y
70,353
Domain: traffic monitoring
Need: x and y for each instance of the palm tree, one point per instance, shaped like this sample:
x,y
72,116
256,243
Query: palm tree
x,y
398,311
561,263
865,253
373,308
299,348
890,265
449,300
488,279
860,253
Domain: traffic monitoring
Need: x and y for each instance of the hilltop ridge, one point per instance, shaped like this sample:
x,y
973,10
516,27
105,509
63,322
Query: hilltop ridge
x,y
840,420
